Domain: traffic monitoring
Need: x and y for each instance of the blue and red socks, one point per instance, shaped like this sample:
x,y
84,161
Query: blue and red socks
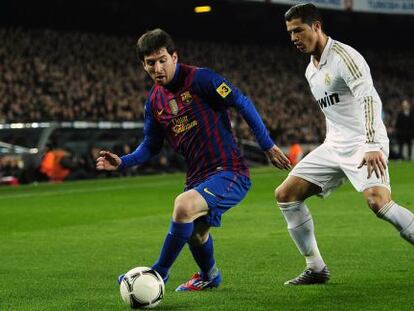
x,y
178,235
204,257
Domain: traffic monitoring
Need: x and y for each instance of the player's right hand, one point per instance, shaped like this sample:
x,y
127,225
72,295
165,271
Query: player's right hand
x,y
375,162
107,161
278,158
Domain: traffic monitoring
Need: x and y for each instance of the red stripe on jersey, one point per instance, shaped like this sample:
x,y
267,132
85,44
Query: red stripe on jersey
x,y
234,156
152,99
190,76
205,121
218,140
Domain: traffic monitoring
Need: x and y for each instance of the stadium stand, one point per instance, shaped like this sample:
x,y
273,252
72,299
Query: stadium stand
x,y
55,76
59,70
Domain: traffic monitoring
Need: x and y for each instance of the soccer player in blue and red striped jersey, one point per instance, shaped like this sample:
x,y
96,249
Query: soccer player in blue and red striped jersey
x,y
188,106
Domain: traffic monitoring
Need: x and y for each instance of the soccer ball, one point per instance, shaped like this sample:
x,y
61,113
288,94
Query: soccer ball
x,y
142,287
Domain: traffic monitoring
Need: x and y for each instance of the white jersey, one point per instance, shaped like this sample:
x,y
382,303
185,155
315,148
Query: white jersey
x,y
343,88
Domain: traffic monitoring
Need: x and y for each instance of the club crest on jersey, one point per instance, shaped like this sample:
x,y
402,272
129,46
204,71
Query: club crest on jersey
x,y
186,97
327,79
223,90
173,106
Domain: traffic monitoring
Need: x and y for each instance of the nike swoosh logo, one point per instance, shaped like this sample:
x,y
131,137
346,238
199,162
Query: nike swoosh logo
x,y
160,112
209,192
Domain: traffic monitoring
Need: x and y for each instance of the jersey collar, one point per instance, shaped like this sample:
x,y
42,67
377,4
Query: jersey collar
x,y
174,80
324,56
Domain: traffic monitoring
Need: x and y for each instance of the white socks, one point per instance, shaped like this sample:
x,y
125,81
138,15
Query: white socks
x,y
400,217
300,227
301,230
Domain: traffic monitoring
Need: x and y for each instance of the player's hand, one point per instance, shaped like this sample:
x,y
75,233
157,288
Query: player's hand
x,y
107,161
278,158
375,162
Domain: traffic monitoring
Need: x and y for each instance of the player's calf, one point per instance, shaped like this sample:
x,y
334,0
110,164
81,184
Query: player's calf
x,y
401,218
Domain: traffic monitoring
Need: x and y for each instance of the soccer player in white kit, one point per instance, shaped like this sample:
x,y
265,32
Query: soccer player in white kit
x,y
356,145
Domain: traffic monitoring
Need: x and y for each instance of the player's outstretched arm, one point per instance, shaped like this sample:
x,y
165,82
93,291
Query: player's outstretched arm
x,y
108,161
278,158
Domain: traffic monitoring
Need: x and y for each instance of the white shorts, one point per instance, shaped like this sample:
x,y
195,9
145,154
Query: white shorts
x,y
328,168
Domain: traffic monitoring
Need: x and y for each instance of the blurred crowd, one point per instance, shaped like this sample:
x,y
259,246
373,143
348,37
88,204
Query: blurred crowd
x,y
48,75
54,76
65,76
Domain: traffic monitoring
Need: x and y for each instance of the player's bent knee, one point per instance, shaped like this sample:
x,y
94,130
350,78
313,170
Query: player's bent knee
x,y
276,192
375,203
374,206
182,213
183,210
376,199
189,206
282,195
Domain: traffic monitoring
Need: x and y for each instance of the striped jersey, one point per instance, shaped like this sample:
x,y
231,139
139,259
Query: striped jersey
x,y
191,113
343,88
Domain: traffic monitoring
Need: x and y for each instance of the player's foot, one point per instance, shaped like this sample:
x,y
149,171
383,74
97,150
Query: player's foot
x,y
197,283
309,277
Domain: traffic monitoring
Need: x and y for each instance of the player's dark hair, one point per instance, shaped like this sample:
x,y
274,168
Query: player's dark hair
x,y
152,41
307,12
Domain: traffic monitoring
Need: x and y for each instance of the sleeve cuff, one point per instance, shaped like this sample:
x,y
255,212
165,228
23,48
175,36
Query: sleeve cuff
x,y
267,144
372,147
121,166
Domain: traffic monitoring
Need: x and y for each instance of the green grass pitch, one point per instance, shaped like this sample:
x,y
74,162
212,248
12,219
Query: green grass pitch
x,y
62,247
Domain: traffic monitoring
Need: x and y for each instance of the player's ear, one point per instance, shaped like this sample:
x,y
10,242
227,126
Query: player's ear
x,y
174,57
317,26
144,65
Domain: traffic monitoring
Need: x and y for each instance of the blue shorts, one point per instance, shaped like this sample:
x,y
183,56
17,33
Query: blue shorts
x,y
222,191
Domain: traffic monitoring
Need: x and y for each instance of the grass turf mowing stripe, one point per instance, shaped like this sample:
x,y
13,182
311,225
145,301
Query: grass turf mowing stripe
x,y
65,252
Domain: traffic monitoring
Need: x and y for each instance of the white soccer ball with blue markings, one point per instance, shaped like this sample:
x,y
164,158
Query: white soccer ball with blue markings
x,y
142,288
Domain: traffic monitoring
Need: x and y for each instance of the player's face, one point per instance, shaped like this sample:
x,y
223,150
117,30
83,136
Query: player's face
x,y
160,65
303,36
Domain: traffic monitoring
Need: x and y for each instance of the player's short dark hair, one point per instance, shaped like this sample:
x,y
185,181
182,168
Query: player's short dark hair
x,y
152,41
307,12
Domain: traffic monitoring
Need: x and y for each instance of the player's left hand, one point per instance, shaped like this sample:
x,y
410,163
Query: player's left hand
x,y
375,162
278,158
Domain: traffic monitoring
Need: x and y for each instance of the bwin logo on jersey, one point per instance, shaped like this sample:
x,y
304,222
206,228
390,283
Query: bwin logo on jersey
x,y
328,100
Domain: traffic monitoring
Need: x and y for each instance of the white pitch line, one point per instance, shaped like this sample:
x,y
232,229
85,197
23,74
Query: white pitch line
x,y
68,192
